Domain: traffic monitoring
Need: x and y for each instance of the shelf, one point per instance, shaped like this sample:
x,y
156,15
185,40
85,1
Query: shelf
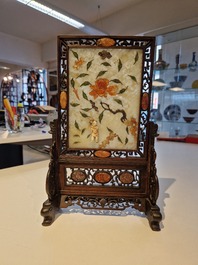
x,y
191,138
172,100
175,69
177,122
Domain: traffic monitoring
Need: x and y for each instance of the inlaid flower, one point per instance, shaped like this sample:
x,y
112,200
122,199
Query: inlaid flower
x,y
101,88
78,63
133,126
104,54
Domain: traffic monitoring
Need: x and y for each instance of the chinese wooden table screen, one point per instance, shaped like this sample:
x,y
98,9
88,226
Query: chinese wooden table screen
x,y
103,155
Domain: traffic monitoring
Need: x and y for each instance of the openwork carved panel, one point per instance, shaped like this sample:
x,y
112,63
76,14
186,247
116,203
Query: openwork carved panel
x,y
103,203
102,177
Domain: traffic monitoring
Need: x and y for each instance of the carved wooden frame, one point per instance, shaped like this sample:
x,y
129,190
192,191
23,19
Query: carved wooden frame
x,y
95,163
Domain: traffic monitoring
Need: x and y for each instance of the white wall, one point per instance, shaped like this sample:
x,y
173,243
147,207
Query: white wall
x,y
19,51
49,51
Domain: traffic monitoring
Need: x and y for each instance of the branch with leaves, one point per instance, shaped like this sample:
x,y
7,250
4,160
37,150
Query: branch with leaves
x,y
106,107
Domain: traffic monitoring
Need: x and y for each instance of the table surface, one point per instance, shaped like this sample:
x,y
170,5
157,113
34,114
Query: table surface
x,y
79,238
29,134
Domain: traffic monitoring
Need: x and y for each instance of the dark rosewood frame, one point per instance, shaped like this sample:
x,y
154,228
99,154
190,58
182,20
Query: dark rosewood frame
x,y
92,178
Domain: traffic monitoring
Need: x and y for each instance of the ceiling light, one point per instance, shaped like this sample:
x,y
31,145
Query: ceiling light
x,y
10,77
52,12
4,67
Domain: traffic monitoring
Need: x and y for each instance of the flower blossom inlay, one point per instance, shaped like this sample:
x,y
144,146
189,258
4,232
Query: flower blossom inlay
x,y
101,88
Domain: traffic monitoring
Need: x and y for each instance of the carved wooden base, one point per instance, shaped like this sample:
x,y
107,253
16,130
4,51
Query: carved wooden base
x,y
154,216
152,212
48,211
134,187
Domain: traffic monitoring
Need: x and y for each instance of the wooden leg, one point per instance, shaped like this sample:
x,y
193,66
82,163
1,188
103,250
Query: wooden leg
x,y
154,216
48,212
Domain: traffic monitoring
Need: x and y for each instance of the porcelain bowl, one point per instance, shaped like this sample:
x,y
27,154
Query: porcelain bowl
x,y
192,111
188,119
176,84
180,78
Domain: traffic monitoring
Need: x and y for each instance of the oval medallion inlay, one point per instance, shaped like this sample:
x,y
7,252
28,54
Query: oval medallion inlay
x,y
126,178
78,176
102,153
145,101
102,177
106,42
63,100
